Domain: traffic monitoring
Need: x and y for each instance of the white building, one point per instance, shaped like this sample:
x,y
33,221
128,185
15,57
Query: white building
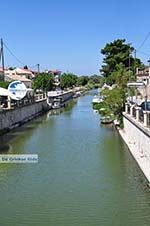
x,y
26,73
12,75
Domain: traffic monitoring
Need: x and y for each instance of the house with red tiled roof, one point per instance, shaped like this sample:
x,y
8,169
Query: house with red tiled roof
x,y
26,73
11,75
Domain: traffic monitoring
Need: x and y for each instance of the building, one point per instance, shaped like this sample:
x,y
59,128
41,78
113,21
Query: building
x,y
56,75
26,73
143,75
1,73
11,75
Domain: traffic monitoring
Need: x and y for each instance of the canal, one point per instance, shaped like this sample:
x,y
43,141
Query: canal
x,y
85,175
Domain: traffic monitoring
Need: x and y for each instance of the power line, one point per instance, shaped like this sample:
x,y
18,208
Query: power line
x,y
145,54
147,36
17,59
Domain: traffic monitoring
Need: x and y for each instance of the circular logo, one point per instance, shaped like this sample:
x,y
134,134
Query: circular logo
x,y
18,89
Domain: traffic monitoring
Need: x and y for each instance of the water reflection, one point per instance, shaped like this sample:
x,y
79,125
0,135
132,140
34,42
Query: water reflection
x,y
85,175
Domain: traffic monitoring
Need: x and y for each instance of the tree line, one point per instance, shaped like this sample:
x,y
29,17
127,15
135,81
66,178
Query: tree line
x,y
46,81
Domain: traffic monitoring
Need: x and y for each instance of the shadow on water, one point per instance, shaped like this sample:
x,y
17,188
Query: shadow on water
x,y
25,131
85,175
4,148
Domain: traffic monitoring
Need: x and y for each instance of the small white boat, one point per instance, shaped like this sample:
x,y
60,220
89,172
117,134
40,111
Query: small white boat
x,y
97,99
106,120
77,94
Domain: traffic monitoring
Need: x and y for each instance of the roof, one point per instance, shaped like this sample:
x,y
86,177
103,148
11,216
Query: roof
x,y
22,71
56,72
18,77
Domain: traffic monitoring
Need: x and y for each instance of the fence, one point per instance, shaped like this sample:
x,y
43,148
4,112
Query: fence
x,y
138,114
6,103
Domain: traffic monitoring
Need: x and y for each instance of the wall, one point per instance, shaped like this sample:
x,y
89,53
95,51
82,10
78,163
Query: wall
x,y
137,137
15,117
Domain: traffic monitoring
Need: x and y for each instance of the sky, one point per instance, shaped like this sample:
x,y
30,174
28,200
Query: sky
x,y
68,34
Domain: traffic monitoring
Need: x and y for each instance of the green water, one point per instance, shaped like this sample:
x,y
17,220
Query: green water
x,y
85,175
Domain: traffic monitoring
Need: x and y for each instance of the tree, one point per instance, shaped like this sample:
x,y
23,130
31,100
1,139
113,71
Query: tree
x,y
4,84
96,79
118,68
82,80
68,80
114,102
25,67
117,52
121,75
44,81
115,98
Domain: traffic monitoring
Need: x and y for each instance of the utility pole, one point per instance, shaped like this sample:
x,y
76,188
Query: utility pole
x,y
2,58
129,62
148,80
38,66
135,61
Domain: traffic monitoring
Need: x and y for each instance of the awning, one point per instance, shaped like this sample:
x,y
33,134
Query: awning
x,y
6,92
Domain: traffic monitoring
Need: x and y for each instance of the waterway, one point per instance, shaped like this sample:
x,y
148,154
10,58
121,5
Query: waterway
x,y
86,176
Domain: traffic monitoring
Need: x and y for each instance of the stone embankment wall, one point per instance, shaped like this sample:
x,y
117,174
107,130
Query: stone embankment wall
x,y
12,118
137,138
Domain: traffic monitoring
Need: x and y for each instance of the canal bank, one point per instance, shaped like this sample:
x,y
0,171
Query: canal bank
x,y
136,135
22,111
11,118
85,175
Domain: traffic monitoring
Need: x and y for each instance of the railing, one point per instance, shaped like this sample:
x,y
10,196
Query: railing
x,y
138,114
7,103
134,112
148,119
141,117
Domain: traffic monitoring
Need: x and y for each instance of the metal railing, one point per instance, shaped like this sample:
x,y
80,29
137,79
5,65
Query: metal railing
x,y
6,104
134,112
148,119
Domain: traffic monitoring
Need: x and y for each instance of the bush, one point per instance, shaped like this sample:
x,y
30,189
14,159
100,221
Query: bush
x,y
4,84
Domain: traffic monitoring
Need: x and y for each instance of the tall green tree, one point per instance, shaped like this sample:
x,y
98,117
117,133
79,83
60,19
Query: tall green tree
x,y
82,80
96,78
44,81
117,52
25,67
68,80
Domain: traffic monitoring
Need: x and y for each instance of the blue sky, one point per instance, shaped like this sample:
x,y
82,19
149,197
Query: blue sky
x,y
68,35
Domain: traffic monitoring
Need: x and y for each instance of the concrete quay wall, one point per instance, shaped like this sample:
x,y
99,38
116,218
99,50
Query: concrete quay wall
x,y
12,118
137,138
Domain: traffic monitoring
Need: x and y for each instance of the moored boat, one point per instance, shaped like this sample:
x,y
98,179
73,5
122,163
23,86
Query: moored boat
x,y
106,120
97,99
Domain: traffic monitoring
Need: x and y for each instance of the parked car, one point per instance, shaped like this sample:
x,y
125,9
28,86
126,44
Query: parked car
x,y
145,106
